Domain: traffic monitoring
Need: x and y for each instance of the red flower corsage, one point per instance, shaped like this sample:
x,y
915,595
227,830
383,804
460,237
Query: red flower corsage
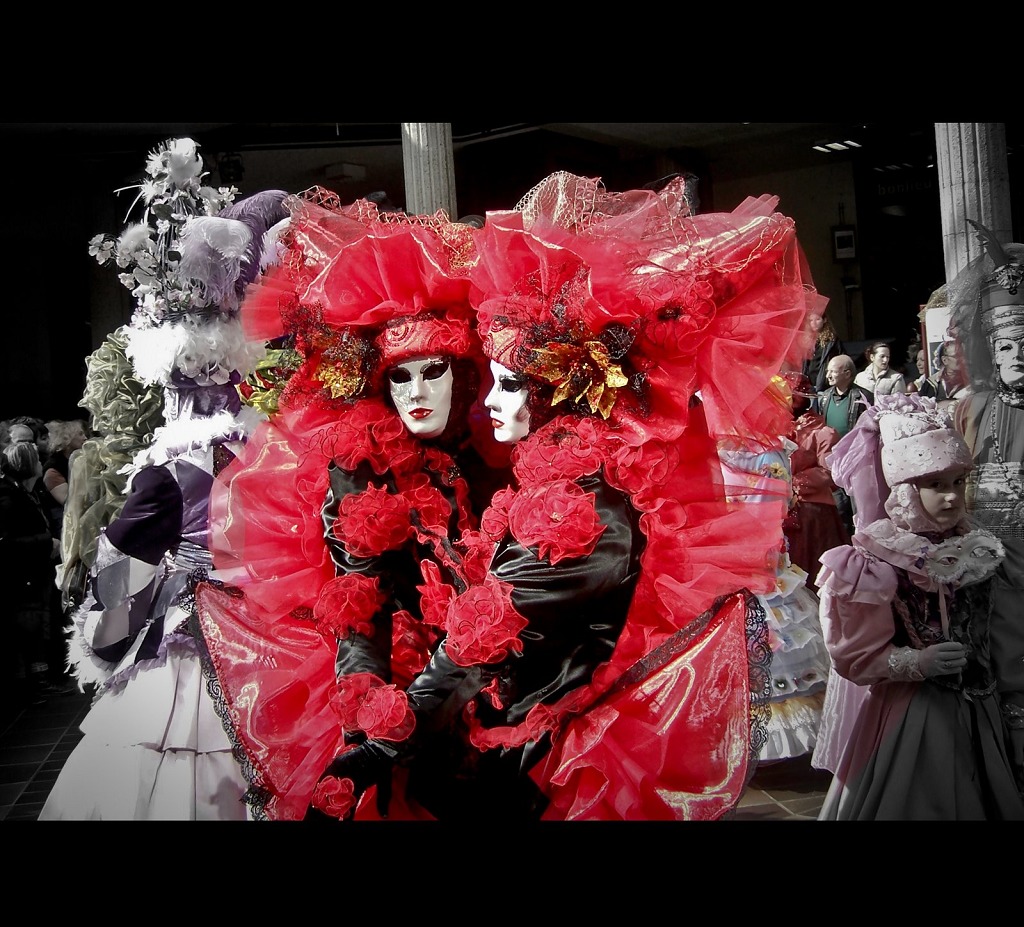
x,y
435,596
558,518
477,551
346,604
483,625
334,796
683,318
494,521
432,508
411,644
372,521
637,468
364,702
370,431
570,447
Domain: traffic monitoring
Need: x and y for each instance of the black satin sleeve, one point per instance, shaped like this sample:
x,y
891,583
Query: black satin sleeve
x,y
149,524
397,572
576,609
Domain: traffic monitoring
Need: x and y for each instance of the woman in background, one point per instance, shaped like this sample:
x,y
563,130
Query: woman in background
x,y
878,377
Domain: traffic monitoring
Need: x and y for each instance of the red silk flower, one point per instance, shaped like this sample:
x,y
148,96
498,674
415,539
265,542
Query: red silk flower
x,y
476,551
494,521
370,431
431,506
483,625
346,604
364,702
372,521
411,644
558,518
569,447
637,468
334,797
435,595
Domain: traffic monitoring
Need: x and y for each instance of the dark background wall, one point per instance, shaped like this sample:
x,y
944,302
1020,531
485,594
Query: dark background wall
x,y
60,304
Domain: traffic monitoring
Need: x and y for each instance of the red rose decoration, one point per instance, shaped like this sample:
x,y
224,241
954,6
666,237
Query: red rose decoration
x,y
370,431
334,796
435,596
567,446
477,551
638,468
558,518
346,604
411,644
372,521
683,318
538,721
494,521
432,508
440,462
364,702
483,625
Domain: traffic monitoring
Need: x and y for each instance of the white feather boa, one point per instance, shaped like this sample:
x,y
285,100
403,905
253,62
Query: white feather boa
x,y
210,348
82,661
191,436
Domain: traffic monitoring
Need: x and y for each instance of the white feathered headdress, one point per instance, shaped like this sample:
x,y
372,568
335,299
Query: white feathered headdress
x,y
187,264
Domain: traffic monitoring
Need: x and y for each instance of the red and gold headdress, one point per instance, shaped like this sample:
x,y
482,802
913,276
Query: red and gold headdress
x,y
361,291
597,292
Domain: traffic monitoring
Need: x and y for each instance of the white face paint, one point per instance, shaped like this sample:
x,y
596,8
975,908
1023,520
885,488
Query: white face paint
x,y
510,417
1009,357
422,391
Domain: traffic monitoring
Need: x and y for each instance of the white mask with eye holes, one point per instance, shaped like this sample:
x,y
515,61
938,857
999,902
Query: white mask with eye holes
x,y
1008,352
422,392
506,401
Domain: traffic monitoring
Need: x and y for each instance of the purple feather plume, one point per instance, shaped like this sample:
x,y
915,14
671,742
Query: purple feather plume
x,y
259,212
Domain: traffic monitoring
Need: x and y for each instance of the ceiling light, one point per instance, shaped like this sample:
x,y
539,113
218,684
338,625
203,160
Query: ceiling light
x,y
837,146
820,148
851,144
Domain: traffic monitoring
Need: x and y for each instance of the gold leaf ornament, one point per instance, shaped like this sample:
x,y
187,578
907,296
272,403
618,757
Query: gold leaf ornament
x,y
342,367
580,372
339,379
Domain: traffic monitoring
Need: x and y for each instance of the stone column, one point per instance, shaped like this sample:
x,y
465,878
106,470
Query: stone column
x,y
974,183
429,164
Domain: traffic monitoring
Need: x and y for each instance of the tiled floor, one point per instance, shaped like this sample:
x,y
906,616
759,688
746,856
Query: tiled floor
x,y
35,742
788,790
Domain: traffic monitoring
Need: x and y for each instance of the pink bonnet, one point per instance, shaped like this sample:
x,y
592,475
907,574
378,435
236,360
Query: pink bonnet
x,y
919,440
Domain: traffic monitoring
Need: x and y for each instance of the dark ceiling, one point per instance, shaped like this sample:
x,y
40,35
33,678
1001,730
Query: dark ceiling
x,y
353,158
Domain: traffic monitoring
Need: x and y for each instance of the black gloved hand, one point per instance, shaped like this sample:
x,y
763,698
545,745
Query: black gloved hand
x,y
368,764
442,685
439,692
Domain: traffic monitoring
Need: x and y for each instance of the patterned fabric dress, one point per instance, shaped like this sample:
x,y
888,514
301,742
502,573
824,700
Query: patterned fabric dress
x,y
154,747
929,750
